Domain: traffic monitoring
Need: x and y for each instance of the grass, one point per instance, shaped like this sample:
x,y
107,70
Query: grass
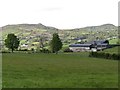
x,y
1,71
70,70
113,41
112,50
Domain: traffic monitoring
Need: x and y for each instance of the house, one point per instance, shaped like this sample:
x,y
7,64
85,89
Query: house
x,y
80,39
100,42
23,46
98,47
92,46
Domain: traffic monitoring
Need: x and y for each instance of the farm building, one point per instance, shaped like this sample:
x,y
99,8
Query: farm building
x,y
92,46
100,42
79,47
80,39
23,46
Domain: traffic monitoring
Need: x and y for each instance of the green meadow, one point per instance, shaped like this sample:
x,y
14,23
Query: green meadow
x,y
64,70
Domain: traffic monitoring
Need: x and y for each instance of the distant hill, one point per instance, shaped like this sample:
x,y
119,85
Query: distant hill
x,y
103,27
21,28
28,27
41,26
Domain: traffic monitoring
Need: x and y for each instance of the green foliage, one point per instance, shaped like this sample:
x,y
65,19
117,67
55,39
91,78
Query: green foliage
x,y
12,42
45,51
55,43
105,55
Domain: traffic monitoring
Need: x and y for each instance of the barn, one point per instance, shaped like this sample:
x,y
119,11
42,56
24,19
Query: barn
x,y
79,47
92,46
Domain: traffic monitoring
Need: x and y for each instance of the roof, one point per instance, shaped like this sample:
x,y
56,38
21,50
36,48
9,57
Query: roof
x,y
99,45
79,38
80,45
98,42
86,45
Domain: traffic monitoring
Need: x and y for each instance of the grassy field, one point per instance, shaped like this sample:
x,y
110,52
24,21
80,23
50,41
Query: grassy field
x,y
73,70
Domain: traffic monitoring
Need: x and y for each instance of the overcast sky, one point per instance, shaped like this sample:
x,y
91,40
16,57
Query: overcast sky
x,y
59,13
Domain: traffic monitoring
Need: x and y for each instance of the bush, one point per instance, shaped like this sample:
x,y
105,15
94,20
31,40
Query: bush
x,y
115,56
4,52
32,49
68,50
104,55
90,54
23,50
45,51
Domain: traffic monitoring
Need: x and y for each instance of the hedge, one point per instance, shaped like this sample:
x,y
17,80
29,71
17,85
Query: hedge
x,y
105,55
68,50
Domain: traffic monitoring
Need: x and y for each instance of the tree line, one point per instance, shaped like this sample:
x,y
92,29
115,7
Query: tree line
x,y
12,43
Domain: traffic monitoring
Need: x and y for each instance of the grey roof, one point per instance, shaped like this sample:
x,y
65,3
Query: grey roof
x,y
80,38
80,45
86,45
98,42
99,45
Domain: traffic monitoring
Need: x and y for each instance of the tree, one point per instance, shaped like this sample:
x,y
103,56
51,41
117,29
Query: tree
x,y
41,39
55,43
12,42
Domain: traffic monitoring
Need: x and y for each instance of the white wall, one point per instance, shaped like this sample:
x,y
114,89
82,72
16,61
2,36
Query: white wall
x,y
77,49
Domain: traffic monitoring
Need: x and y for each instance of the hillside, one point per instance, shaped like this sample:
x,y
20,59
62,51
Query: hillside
x,y
31,33
25,27
28,27
98,28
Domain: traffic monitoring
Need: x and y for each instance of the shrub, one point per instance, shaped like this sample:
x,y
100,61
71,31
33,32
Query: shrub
x,y
68,50
90,54
45,51
23,50
104,55
107,55
4,52
115,57
32,49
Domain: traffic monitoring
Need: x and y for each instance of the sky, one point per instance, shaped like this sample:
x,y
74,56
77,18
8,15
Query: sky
x,y
62,14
